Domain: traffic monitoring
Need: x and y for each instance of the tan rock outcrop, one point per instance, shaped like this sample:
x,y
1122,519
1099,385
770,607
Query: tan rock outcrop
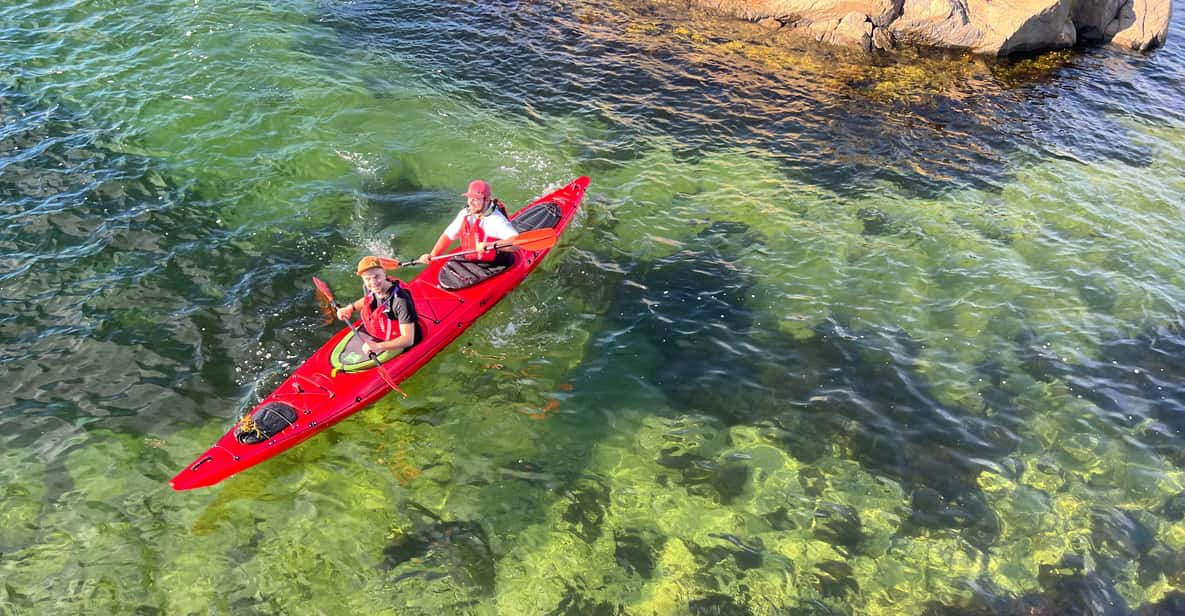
x,y
1141,25
992,27
851,30
987,26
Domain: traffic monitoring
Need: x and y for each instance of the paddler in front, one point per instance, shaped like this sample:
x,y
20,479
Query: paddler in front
x,y
480,225
388,313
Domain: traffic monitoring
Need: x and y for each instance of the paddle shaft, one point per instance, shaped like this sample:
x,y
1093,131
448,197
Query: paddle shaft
x,y
466,252
448,256
324,288
354,328
536,239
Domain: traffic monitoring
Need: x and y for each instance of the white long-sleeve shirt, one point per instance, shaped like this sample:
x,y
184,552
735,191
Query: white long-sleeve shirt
x,y
494,225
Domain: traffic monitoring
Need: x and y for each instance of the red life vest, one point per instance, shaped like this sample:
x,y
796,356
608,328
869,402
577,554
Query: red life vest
x,y
471,235
378,319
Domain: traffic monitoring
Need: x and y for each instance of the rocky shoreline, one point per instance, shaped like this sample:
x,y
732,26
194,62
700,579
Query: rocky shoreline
x,y
988,27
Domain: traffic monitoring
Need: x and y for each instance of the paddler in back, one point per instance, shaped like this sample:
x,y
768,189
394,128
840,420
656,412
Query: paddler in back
x,y
479,225
388,313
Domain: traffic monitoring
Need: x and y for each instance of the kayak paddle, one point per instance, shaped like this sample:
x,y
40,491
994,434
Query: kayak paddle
x,y
327,293
535,239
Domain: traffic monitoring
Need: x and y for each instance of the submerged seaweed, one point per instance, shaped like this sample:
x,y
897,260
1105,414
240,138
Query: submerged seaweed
x,y
827,337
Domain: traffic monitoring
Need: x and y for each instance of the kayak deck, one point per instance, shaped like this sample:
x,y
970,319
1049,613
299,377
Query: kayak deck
x,y
318,396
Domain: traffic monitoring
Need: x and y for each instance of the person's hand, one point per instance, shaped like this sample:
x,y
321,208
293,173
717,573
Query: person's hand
x,y
344,312
369,349
424,258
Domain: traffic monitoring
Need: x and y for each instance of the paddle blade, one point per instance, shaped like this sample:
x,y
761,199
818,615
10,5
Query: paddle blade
x,y
536,239
324,290
389,263
327,311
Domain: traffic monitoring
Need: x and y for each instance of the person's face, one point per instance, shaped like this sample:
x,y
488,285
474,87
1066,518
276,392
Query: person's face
x,y
477,204
375,280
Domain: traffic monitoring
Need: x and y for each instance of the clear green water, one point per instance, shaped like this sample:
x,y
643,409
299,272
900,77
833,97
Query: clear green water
x,y
831,336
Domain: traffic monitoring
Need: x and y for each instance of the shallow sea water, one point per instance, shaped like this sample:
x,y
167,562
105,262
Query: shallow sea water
x,y
832,335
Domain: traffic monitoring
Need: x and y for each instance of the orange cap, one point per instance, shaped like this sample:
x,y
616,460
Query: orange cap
x,y
369,262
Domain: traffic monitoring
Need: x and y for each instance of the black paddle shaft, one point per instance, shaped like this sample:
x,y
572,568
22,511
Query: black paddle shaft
x,y
354,328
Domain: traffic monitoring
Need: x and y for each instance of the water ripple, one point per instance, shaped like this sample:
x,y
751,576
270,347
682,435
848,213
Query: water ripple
x,y
820,311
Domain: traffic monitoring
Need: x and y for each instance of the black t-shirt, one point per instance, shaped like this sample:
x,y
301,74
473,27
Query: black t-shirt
x,y
399,307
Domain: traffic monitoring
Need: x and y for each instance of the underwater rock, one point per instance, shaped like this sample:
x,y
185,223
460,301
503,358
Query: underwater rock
x,y
704,291
575,603
928,501
857,390
813,481
988,599
748,556
701,435
1077,594
984,529
1149,569
459,550
997,606
1119,531
636,553
779,519
1170,564
814,607
717,605
835,579
1158,562
880,411
968,512
1172,604
1066,590
729,481
405,549
838,525
1174,507
1134,380
796,436
589,502
879,445
709,556
929,511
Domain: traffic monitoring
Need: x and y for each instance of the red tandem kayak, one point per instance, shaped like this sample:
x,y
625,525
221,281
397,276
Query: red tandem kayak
x,y
318,395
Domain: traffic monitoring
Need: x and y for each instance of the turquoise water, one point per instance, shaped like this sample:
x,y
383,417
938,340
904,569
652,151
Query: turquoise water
x,y
832,335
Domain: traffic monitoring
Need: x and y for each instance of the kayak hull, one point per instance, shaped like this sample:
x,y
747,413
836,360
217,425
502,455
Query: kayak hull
x,y
320,396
